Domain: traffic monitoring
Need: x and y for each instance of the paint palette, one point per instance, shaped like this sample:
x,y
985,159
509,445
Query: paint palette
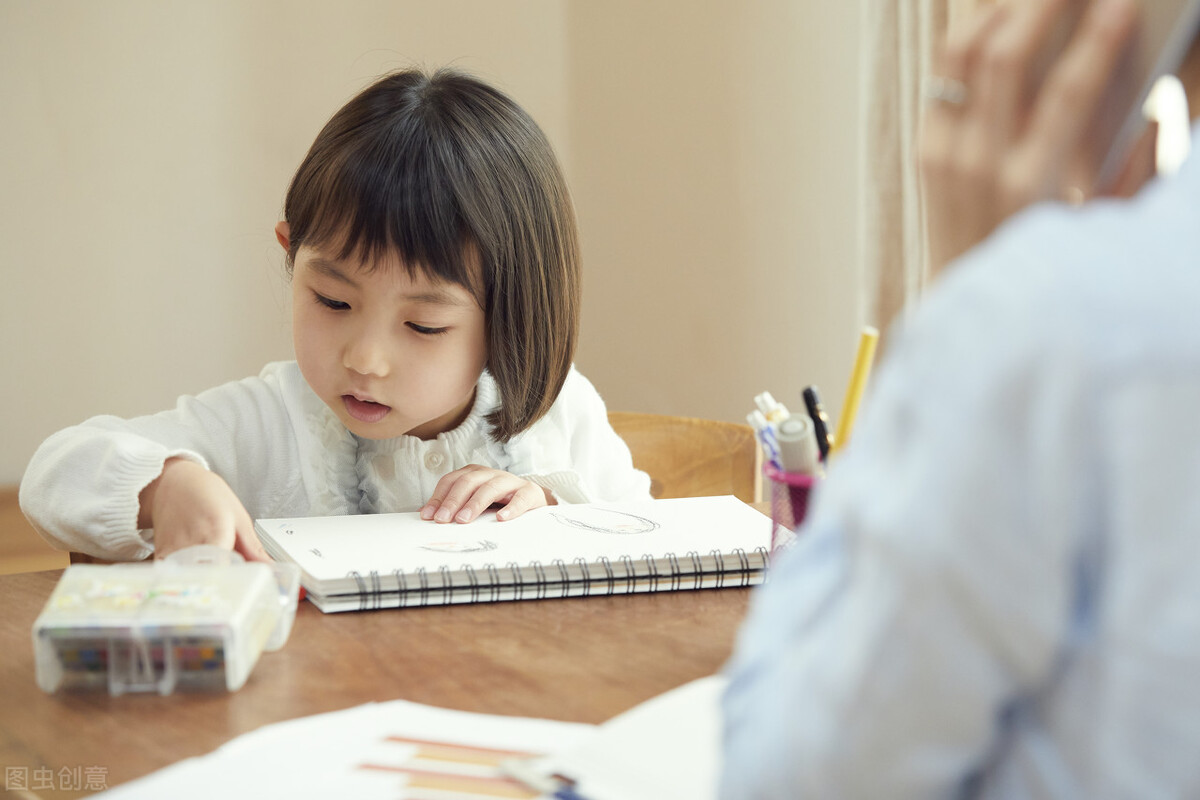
x,y
162,626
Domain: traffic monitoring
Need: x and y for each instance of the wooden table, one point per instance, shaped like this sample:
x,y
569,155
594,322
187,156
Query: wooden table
x,y
581,660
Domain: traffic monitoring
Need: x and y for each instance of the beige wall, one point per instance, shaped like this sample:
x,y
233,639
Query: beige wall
x,y
146,147
715,173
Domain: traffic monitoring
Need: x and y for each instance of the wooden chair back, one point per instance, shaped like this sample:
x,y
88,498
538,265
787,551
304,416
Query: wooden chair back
x,y
689,457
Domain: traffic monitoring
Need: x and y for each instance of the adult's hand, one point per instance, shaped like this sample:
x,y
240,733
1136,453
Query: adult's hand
x,y
995,139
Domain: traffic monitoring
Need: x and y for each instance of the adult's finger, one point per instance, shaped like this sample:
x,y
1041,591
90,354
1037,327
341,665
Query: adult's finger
x,y
941,122
956,57
1010,58
1066,106
1139,166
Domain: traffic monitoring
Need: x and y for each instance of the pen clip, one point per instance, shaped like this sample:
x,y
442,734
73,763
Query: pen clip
x,y
812,404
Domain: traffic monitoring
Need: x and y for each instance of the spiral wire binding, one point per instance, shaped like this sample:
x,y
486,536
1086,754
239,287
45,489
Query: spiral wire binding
x,y
585,571
401,587
539,583
743,564
494,580
720,557
423,579
630,572
362,589
376,590
608,574
676,574
472,579
651,570
371,592
564,576
518,585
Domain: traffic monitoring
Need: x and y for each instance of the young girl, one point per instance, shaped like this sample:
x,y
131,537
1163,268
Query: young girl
x,y
435,272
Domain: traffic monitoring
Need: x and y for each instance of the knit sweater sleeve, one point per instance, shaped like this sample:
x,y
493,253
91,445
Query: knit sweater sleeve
x,y
574,452
80,490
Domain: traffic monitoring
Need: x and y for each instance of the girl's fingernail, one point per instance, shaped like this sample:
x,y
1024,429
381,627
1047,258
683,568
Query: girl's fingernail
x,y
464,515
427,511
442,515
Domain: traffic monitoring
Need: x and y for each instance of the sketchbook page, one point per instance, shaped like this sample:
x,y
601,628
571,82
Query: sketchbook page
x,y
669,746
395,750
328,548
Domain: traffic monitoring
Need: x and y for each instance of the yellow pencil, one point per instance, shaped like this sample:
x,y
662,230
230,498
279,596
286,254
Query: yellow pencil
x,y
858,383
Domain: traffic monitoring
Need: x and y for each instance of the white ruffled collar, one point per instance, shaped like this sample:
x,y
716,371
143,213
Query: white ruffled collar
x,y
359,476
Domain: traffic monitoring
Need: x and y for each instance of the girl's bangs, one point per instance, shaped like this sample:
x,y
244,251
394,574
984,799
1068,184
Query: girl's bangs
x,y
366,206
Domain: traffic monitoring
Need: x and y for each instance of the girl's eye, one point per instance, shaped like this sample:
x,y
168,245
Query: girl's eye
x,y
336,305
425,330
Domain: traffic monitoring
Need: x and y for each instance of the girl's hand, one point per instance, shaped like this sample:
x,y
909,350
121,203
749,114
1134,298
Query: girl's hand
x,y
1004,144
188,505
464,494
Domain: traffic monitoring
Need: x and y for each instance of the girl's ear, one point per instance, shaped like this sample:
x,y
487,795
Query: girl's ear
x,y
283,235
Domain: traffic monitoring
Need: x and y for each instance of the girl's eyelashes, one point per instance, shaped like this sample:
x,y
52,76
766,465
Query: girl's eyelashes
x,y
425,330
328,302
338,305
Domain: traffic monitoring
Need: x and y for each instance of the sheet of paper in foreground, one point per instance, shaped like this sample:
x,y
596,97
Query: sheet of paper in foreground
x,y
394,750
668,746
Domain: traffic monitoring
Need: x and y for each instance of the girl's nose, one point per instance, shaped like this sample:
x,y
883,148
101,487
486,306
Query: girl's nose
x,y
367,354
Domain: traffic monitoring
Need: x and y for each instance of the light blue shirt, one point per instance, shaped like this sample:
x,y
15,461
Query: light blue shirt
x,y
998,591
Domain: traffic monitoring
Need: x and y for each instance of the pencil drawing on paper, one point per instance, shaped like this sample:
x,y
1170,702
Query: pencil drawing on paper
x,y
600,520
481,546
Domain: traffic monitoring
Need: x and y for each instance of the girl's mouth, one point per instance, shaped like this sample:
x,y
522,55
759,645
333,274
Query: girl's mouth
x,y
364,410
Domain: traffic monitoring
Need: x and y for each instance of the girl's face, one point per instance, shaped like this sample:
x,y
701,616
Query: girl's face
x,y
390,354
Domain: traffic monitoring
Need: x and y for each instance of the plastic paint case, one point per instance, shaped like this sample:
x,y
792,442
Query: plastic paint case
x,y
194,621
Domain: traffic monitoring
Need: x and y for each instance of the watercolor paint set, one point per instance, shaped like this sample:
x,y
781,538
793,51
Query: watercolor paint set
x,y
199,622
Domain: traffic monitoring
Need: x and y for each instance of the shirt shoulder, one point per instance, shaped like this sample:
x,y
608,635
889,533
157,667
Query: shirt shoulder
x,y
1110,287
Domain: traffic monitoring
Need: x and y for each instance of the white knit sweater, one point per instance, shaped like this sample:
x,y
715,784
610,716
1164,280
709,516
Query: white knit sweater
x,y
284,453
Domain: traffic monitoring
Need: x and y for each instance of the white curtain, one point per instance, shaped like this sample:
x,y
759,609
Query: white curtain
x,y
898,44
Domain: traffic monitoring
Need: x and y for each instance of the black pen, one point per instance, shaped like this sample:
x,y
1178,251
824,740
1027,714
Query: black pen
x,y
812,403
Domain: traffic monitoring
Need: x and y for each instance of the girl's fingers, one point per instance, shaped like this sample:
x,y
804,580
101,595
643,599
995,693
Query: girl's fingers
x,y
247,543
528,496
501,487
440,492
464,494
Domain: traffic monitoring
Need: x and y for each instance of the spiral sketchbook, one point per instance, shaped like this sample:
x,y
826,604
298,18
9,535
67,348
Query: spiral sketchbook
x,y
377,561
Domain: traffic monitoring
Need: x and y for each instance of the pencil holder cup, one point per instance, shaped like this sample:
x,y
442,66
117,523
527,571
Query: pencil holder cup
x,y
789,504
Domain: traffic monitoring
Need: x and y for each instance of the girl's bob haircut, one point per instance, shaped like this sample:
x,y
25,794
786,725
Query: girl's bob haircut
x,y
455,178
